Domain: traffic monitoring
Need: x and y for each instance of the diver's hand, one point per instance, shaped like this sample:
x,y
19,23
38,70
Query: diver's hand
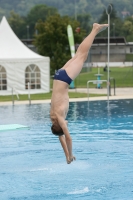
x,y
70,159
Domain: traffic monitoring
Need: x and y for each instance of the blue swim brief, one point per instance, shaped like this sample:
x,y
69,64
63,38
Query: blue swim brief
x,y
61,75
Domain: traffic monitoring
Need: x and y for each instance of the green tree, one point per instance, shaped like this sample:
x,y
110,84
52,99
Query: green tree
x,y
84,20
39,12
52,39
18,24
128,29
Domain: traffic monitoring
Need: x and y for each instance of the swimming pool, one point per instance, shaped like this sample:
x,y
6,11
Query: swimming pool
x,y
32,163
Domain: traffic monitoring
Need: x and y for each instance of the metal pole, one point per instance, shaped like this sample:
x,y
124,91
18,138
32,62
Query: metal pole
x,y
12,98
113,29
75,10
29,93
110,87
114,87
27,31
88,90
108,13
108,51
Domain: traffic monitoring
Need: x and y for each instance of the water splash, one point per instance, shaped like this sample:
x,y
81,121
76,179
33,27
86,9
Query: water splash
x,y
85,190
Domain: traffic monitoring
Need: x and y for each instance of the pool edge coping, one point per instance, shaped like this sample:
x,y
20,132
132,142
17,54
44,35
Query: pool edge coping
x,y
70,100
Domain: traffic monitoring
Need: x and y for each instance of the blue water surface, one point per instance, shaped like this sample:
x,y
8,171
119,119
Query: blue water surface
x,y
33,165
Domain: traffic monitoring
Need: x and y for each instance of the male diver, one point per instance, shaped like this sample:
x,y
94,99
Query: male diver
x,y
60,99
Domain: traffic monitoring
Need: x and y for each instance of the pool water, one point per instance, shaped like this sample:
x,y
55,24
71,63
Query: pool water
x,y
33,166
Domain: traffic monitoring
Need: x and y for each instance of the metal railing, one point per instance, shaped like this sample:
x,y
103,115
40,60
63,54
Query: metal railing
x,y
16,93
13,89
95,82
113,79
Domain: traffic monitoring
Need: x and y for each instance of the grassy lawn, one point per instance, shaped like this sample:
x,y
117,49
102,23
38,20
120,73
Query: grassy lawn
x,y
123,77
44,96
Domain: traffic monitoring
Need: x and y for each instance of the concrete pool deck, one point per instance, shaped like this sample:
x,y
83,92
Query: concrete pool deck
x,y
120,93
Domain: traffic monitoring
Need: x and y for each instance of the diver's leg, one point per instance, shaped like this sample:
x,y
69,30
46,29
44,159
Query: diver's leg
x,y
74,65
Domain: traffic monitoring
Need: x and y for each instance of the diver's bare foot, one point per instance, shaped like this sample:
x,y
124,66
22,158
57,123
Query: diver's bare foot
x,y
99,27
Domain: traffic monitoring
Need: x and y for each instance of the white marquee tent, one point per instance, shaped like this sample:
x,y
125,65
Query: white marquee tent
x,y
19,65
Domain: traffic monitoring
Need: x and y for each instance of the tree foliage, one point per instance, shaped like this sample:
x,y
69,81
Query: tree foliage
x,y
38,12
21,25
84,20
127,28
18,24
52,39
67,7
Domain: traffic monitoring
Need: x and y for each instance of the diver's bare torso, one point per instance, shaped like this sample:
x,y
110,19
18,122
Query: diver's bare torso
x,y
59,100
